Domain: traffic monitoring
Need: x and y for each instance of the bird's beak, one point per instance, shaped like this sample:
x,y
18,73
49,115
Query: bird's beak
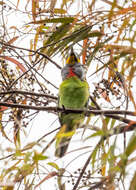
x,y
72,58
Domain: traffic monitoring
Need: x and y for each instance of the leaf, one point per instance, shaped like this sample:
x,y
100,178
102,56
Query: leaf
x,y
27,4
50,175
8,187
131,145
61,11
98,133
34,9
38,30
24,171
103,170
39,156
18,3
21,67
18,153
54,165
13,39
3,108
57,35
29,145
133,183
31,48
94,153
112,123
54,20
65,134
132,25
2,3
126,10
64,3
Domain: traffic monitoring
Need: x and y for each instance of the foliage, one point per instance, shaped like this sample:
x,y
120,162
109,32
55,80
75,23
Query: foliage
x,y
32,52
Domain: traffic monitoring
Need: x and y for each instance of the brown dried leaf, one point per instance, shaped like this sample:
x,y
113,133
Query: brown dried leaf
x,y
50,175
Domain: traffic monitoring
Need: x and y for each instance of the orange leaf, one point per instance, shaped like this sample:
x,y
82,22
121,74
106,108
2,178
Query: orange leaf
x,y
34,5
23,69
38,30
3,108
103,169
13,39
24,101
18,3
126,10
105,96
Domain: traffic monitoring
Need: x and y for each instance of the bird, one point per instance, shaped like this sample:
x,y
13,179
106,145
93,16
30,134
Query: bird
x,y
73,94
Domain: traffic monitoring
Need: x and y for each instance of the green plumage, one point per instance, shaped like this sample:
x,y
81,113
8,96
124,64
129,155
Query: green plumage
x,y
73,94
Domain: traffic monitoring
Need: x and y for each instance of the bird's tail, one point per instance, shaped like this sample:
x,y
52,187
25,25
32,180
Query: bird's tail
x,y
62,140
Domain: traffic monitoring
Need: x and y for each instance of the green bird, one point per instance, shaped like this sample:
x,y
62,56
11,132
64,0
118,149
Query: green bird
x,y
73,94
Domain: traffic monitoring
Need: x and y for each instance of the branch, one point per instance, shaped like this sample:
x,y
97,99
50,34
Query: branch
x,y
28,93
107,113
58,109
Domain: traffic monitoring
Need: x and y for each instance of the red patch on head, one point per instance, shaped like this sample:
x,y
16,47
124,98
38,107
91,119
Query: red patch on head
x,y
71,73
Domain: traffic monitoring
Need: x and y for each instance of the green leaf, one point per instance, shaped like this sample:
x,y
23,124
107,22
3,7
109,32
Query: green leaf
x,y
18,153
57,35
94,156
54,165
39,156
60,11
131,145
66,134
98,133
54,20
133,23
112,123
133,183
27,156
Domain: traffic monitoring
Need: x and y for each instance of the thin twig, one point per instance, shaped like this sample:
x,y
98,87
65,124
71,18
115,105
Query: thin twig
x,y
35,52
98,185
85,165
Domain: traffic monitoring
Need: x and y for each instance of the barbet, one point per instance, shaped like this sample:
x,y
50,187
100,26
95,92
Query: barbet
x,y
73,94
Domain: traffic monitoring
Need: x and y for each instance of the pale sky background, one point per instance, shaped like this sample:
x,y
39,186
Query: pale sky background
x,y
44,122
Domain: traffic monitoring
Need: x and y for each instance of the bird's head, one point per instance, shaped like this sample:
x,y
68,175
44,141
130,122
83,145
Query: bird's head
x,y
73,67
72,58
